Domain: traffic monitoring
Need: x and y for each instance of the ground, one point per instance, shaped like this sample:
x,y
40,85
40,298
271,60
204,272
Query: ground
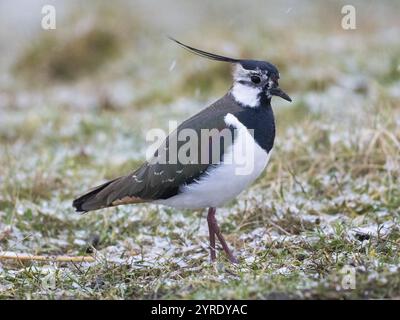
x,y
321,222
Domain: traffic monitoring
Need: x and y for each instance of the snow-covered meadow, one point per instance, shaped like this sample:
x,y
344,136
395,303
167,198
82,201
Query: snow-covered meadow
x,y
75,106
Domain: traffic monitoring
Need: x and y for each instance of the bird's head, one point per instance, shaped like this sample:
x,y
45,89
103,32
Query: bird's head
x,y
253,80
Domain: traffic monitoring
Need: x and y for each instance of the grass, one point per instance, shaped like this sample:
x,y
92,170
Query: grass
x,y
328,201
56,60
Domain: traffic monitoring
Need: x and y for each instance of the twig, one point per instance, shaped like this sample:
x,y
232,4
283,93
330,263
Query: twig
x,y
296,181
31,257
278,227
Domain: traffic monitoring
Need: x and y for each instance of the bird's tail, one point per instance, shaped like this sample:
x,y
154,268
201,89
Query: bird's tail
x,y
91,200
112,193
115,192
122,190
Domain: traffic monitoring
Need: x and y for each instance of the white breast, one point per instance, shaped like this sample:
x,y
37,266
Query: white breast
x,y
243,162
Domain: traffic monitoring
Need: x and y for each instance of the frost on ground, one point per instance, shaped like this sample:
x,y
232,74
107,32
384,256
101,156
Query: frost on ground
x,y
328,202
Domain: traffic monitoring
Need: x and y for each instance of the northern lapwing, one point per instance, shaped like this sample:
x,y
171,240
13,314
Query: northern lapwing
x,y
216,173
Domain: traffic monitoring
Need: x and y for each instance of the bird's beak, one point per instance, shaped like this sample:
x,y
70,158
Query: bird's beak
x,y
280,93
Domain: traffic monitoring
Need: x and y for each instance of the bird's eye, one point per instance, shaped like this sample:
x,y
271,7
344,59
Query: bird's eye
x,y
255,79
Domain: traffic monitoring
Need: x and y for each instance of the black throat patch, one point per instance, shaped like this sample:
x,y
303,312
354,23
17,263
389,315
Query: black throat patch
x,y
262,121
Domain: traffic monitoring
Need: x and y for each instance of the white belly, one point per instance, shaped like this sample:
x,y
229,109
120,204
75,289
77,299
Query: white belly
x,y
243,162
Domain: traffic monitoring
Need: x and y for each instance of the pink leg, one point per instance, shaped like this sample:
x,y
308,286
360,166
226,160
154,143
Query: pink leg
x,y
211,213
214,230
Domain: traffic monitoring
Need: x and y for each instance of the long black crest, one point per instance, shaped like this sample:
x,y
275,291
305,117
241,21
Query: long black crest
x,y
205,54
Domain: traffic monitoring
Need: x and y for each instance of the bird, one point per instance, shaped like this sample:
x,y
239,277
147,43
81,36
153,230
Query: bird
x,y
224,162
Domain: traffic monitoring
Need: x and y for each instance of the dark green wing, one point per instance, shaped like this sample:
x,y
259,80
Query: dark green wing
x,y
161,180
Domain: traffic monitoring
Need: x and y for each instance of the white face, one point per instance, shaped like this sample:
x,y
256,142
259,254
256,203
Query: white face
x,y
248,85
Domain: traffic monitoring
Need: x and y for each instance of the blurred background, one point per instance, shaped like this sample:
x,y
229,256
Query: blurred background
x,y
75,104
